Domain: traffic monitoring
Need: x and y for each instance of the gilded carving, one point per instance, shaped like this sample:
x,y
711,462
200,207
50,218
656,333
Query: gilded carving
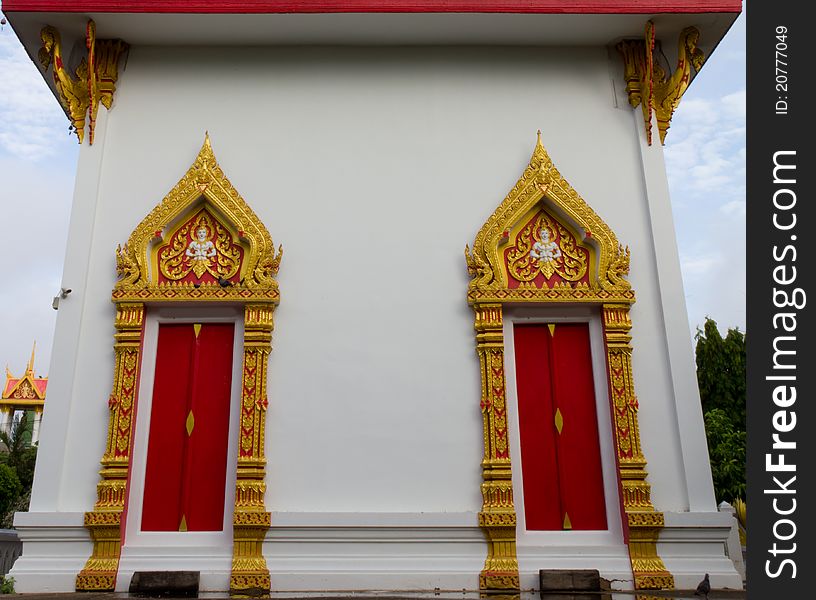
x,y
541,179
498,515
201,245
524,240
668,90
638,64
251,520
92,81
104,522
647,83
242,272
545,247
25,391
643,521
204,184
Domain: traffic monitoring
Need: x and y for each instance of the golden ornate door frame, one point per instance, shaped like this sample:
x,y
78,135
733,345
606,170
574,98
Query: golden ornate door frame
x,y
542,190
204,186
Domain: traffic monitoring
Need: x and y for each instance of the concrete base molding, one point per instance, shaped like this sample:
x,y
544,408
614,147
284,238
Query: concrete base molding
x,y
692,544
55,548
374,551
336,552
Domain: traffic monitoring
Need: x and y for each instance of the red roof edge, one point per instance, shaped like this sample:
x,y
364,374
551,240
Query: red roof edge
x,y
10,383
376,6
42,384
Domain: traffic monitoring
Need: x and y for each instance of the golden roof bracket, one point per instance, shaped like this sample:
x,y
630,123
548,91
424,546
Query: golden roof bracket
x,y
647,83
92,81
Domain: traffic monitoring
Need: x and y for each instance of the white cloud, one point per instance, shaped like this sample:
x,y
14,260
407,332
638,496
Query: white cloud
x,y
37,163
735,104
29,113
735,208
705,161
35,211
697,266
706,144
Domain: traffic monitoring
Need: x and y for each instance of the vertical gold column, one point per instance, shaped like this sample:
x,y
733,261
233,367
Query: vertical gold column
x,y
643,521
105,520
250,519
637,73
498,515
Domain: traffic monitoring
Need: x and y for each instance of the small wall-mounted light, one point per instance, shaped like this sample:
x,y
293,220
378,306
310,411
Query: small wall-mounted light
x,y
63,293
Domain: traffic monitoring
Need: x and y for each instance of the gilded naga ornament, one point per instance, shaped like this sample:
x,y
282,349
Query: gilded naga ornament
x,y
647,83
92,81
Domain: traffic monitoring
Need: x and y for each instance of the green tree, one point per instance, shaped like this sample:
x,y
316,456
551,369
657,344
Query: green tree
x,y
10,488
15,441
721,370
24,466
726,449
16,469
721,378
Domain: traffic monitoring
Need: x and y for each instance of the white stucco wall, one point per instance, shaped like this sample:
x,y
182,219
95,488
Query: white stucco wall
x,y
373,168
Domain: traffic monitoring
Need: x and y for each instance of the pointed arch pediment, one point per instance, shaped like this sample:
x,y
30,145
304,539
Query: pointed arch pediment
x,y
202,241
26,388
544,243
201,244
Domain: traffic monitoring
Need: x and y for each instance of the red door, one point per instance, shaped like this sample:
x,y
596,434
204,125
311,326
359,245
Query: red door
x,y
560,450
189,428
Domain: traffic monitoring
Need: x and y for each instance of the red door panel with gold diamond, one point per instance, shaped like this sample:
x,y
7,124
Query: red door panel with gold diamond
x,y
558,428
186,468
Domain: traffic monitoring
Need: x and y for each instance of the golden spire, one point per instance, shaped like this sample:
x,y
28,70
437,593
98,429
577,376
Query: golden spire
x,y
30,367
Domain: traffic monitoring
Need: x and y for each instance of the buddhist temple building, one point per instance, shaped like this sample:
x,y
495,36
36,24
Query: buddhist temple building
x,y
371,295
25,394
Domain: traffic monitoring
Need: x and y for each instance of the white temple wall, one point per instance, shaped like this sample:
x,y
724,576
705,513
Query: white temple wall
x,y
373,168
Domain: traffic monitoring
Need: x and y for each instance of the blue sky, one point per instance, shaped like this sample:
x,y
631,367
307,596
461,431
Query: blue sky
x,y
705,162
705,158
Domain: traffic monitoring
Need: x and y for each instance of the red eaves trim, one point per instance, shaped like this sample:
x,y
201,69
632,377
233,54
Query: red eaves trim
x,y
376,6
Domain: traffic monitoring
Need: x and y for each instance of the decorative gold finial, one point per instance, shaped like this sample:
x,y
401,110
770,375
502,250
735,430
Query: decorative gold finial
x,y
30,367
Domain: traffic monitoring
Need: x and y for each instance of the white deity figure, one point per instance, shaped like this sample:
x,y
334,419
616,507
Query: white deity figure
x,y
545,251
201,249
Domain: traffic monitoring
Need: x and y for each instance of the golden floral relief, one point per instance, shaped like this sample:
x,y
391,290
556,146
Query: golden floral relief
x,y
25,392
201,245
545,247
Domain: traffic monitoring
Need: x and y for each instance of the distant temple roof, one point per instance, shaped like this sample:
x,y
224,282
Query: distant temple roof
x,y
28,390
